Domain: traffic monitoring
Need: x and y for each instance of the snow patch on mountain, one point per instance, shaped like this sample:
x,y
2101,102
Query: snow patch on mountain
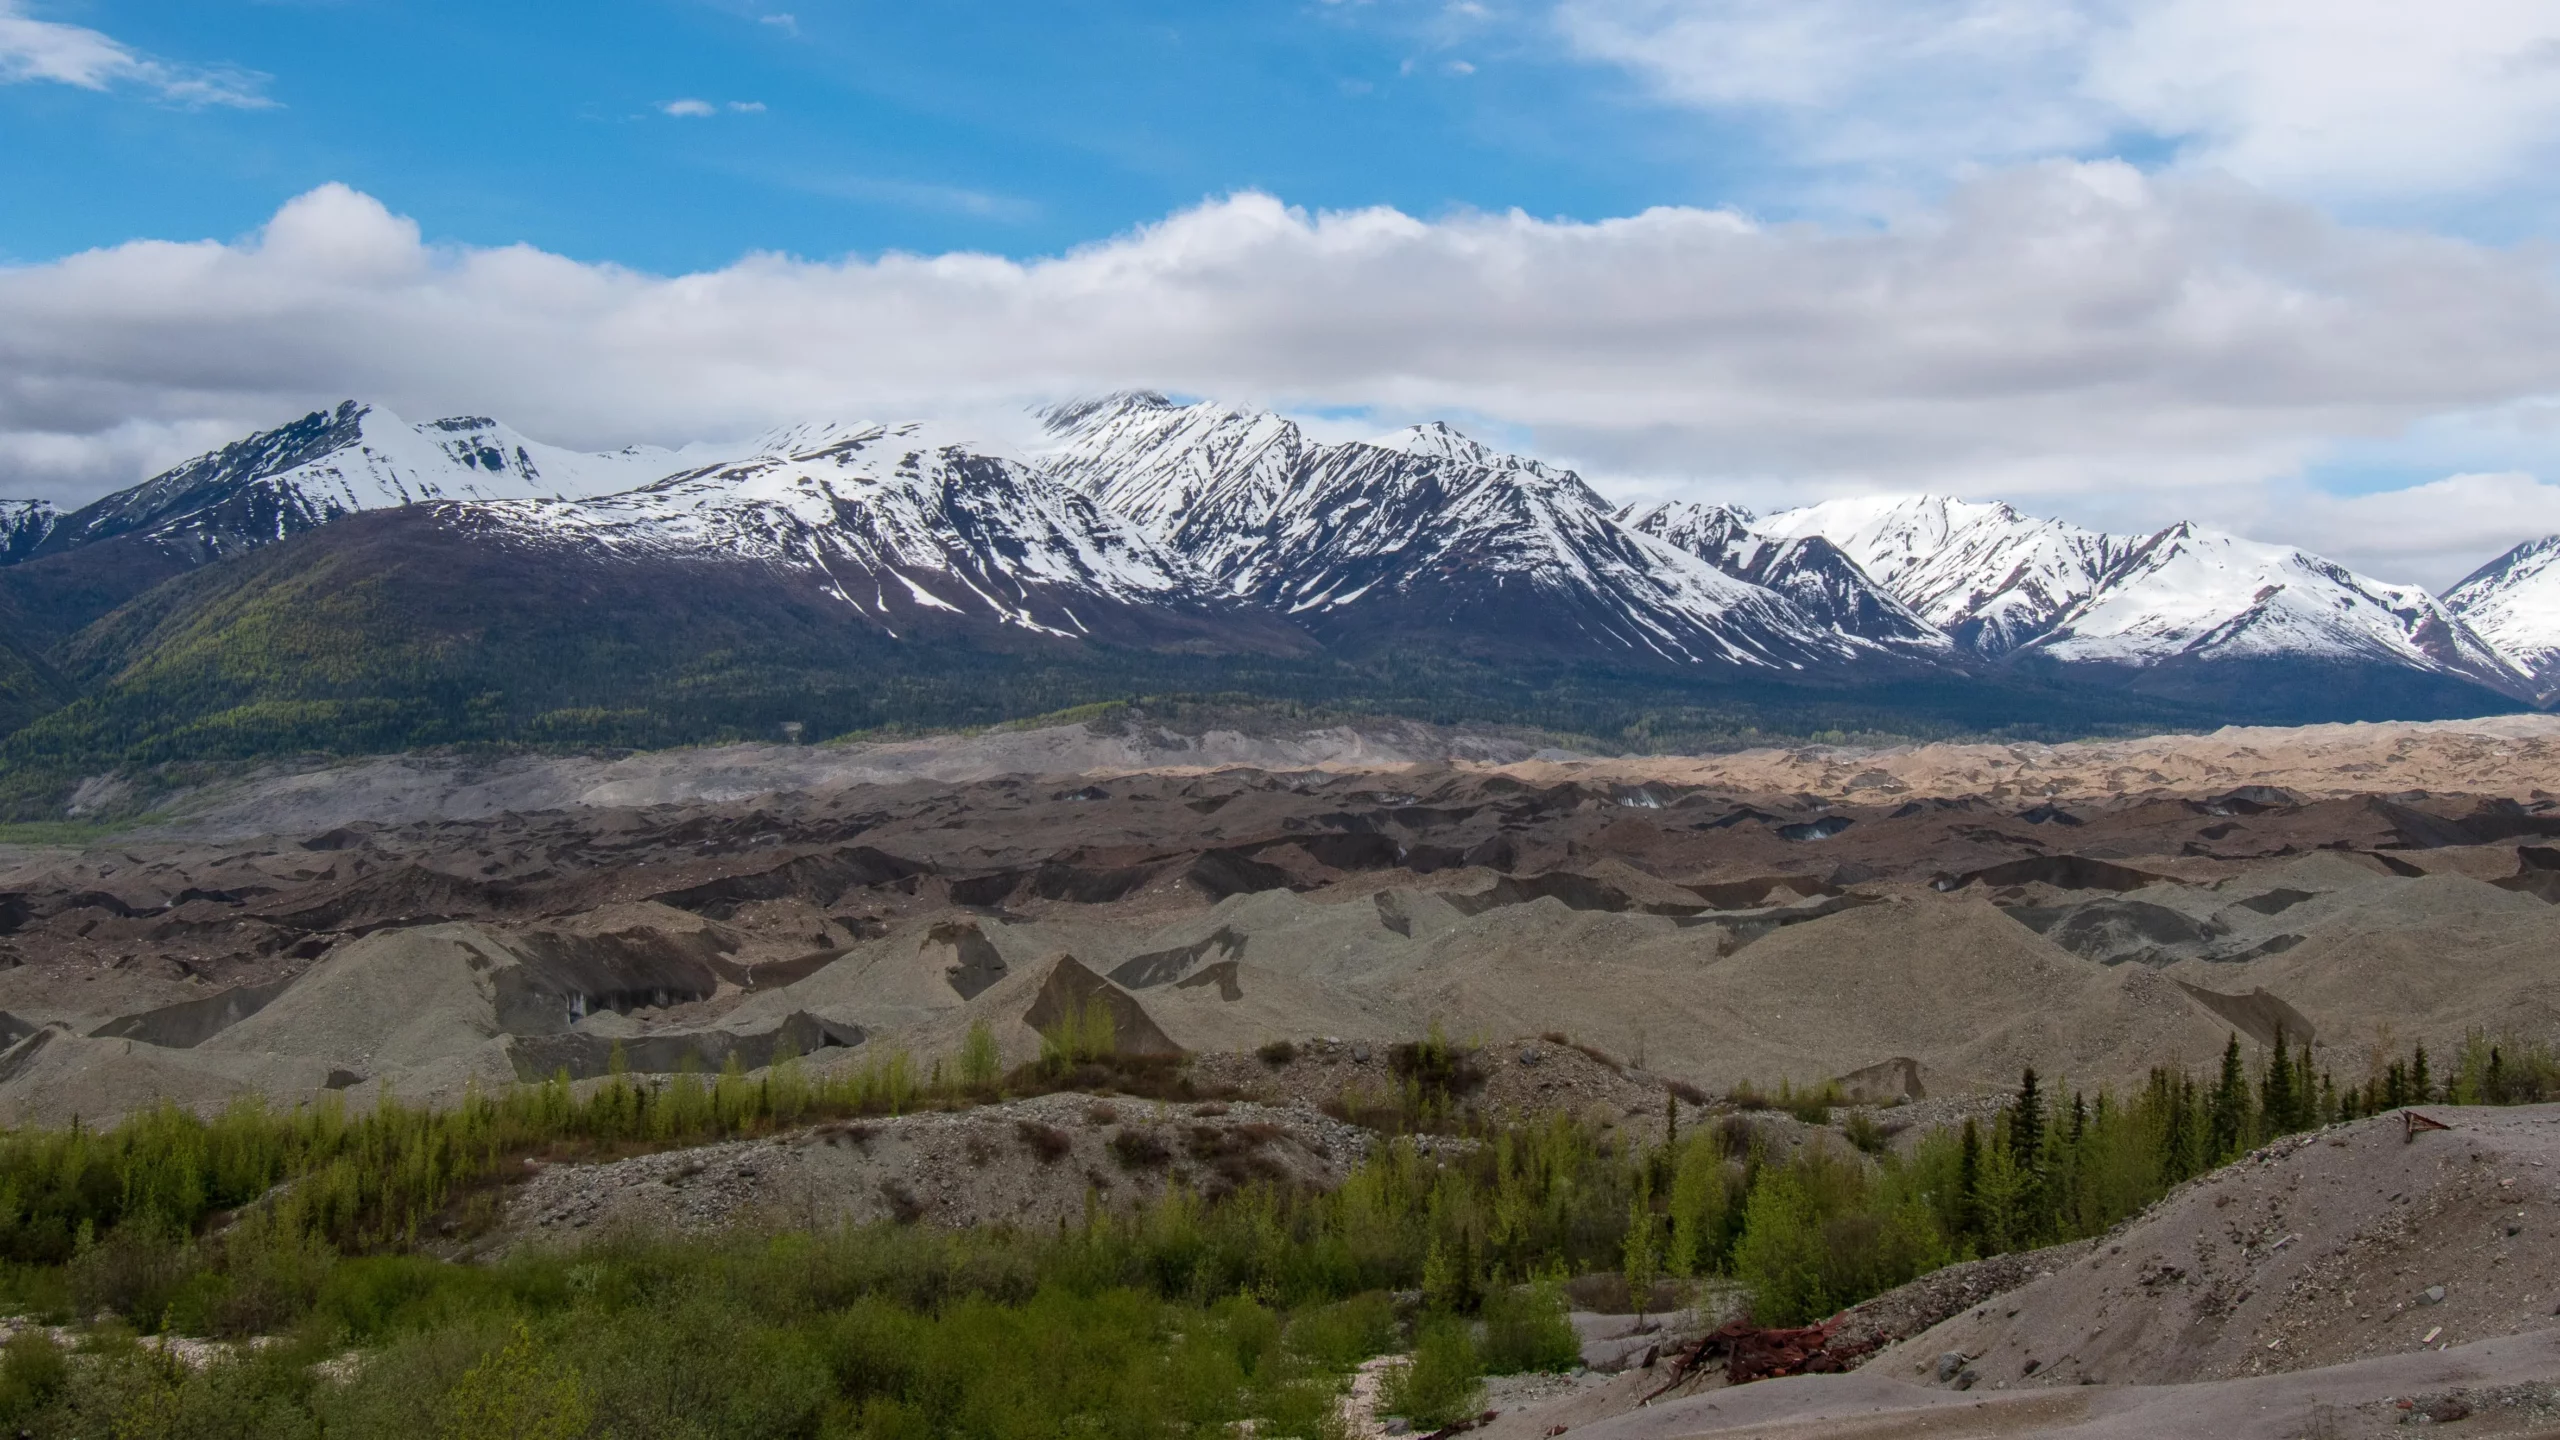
x,y
1814,575
24,525
893,519
2513,603
1992,578
2193,592
340,462
1424,526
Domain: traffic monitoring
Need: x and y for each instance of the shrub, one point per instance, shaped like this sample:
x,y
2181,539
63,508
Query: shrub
x,y
1525,1329
1139,1149
33,1369
1277,1053
981,1062
1341,1335
517,1394
1046,1141
1444,1380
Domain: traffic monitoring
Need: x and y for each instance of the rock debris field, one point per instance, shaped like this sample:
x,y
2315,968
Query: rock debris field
x,y
1913,926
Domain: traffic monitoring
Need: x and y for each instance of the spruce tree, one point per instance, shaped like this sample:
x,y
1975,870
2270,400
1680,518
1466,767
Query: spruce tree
x,y
2275,1088
2307,1106
2421,1089
1969,1183
2230,1116
2169,1100
2026,1124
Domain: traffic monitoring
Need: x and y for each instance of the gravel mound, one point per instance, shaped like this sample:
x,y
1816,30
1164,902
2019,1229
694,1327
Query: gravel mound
x,y
2341,1245
1028,1163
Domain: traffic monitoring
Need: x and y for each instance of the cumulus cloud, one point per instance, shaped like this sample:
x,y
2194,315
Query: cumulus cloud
x,y
2433,534
2065,334
43,50
2362,98
688,109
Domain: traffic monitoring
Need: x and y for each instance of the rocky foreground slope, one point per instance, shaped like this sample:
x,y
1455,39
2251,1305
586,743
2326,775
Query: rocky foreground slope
x,y
2345,1282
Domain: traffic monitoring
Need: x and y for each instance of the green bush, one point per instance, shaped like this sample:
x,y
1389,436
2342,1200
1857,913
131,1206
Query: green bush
x,y
1341,1335
1525,1329
33,1369
1443,1382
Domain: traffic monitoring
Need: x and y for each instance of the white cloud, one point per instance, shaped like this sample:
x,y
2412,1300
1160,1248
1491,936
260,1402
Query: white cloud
x,y
782,20
2083,338
2357,98
44,50
690,108
2433,534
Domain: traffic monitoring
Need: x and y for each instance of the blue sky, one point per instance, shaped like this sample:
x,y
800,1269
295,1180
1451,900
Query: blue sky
x,y
1019,128
2287,267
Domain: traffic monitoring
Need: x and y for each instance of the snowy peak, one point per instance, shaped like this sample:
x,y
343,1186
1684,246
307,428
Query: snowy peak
x,y
339,462
1983,573
896,521
1421,530
1184,473
1437,441
2188,591
2513,603
24,525
1812,574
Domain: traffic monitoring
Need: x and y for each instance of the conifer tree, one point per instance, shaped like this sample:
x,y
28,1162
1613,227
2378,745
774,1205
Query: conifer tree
x,y
2276,1087
2026,1124
1969,1183
2230,1117
2421,1089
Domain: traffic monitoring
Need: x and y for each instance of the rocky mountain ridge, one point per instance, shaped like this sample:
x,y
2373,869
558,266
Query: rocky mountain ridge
x,y
1203,529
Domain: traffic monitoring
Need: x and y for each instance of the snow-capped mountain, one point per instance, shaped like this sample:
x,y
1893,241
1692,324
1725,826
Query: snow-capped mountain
x,y
24,524
1983,573
338,462
2007,584
2189,592
1816,576
1225,530
2513,603
906,526
1422,531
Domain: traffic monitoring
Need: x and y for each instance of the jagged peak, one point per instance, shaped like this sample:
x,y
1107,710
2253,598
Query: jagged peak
x,y
1069,416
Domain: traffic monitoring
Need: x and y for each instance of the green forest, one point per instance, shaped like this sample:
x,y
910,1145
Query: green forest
x,y
308,1238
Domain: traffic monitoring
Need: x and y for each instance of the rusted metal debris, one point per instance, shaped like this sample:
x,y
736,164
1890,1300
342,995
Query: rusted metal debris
x,y
1751,1352
2415,1122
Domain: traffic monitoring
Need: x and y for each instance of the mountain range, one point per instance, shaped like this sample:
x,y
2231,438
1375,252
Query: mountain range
x,y
354,581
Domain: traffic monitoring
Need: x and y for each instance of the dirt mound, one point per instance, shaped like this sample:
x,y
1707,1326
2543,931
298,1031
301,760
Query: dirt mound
x,y
54,1077
2371,1398
2348,1243
1071,992
1029,1163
